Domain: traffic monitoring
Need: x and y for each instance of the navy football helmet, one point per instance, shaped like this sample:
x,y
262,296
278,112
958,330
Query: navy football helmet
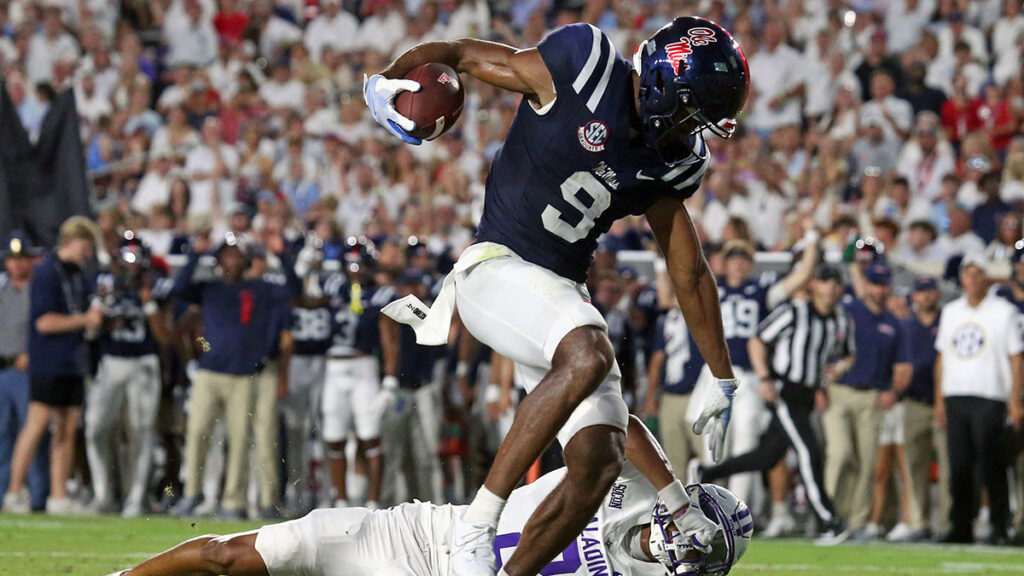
x,y
693,77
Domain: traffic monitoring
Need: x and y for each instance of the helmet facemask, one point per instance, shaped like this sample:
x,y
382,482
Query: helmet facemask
x,y
682,558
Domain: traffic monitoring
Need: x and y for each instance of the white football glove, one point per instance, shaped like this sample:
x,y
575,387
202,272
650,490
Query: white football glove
x,y
379,93
695,529
714,418
385,398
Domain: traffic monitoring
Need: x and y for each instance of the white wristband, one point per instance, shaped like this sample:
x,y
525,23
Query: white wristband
x,y
150,308
492,393
675,498
389,382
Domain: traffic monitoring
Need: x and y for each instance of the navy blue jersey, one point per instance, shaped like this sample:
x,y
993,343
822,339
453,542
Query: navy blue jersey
x,y
355,325
61,288
743,308
683,361
311,330
126,330
922,356
565,173
415,361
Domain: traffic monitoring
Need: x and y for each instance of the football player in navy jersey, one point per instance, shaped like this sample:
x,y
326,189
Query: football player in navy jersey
x,y
352,389
595,138
745,300
127,385
311,338
673,371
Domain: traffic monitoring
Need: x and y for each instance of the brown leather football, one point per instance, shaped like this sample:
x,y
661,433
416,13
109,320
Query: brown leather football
x,y
437,105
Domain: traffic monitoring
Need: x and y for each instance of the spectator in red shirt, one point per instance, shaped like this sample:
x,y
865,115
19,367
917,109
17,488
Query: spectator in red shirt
x,y
230,22
996,118
960,112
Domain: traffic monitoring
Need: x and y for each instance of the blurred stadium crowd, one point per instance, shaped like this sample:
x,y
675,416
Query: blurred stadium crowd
x,y
230,138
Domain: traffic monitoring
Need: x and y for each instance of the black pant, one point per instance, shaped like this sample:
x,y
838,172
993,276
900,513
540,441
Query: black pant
x,y
790,427
976,436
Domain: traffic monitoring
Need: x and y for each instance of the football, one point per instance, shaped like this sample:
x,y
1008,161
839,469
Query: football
x,y
437,105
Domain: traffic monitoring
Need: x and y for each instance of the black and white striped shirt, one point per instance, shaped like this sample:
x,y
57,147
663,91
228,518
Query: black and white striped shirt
x,y
801,341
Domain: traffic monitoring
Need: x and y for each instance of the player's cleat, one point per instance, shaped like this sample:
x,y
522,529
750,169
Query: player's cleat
x,y
836,534
779,526
185,507
62,507
868,533
17,503
472,552
229,515
132,510
901,532
954,537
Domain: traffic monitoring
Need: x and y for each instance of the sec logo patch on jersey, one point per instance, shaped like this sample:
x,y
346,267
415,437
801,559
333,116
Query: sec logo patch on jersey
x,y
593,135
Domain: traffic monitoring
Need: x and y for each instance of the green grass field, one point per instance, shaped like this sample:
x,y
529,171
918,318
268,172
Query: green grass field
x,y
43,546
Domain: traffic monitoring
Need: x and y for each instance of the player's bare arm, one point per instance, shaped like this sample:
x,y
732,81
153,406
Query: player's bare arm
x,y
697,294
521,71
693,281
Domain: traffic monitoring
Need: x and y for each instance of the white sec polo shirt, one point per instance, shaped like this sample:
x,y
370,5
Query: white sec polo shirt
x,y
976,344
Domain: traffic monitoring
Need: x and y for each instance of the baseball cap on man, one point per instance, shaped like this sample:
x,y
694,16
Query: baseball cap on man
x,y
18,245
879,273
922,283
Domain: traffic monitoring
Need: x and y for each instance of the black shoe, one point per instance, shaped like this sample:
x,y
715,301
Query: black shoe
x,y
955,537
998,538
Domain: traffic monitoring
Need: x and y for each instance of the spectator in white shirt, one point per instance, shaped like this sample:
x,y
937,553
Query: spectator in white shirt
x,y
282,92
961,239
47,46
383,29
926,158
1008,29
194,43
776,88
155,187
275,32
211,168
897,112
920,247
333,27
956,30
91,105
904,21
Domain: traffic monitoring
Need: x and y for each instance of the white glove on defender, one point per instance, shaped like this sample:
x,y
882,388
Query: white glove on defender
x,y
695,529
714,418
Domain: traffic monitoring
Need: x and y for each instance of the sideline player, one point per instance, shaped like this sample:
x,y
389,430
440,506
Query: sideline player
x,y
629,534
127,385
595,139
352,389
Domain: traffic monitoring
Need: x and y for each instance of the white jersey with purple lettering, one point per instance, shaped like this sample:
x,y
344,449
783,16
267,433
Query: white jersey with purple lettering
x,y
413,539
603,547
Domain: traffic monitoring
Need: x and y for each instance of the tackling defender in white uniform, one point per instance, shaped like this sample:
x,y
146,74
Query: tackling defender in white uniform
x,y
630,534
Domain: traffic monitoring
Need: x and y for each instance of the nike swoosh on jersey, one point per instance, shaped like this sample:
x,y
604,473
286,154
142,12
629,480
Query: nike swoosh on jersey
x,y
640,176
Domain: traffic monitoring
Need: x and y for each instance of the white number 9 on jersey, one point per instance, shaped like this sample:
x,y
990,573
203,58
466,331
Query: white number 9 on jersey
x,y
602,199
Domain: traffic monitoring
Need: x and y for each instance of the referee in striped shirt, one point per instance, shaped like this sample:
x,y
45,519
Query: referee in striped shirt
x,y
800,344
